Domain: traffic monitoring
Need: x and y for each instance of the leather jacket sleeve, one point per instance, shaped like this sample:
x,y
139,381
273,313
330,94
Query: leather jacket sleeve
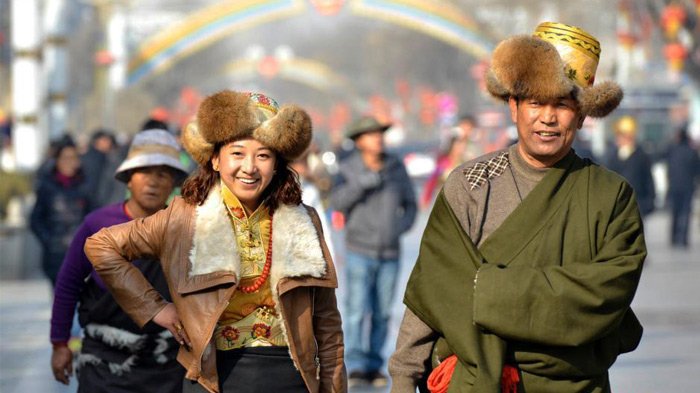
x,y
327,326
111,251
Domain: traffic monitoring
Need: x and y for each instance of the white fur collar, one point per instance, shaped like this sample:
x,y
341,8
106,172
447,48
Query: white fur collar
x,y
296,249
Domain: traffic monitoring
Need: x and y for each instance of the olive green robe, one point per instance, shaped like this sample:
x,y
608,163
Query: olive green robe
x,y
549,291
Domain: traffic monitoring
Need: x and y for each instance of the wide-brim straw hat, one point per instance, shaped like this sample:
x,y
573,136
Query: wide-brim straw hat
x,y
229,115
557,61
364,125
152,148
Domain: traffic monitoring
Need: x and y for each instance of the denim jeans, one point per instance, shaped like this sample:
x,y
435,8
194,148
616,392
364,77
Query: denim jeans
x,y
370,285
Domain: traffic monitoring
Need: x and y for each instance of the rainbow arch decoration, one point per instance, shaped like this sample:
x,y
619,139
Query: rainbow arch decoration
x,y
436,18
203,29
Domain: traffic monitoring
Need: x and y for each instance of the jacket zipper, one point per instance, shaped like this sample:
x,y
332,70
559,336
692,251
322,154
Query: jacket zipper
x,y
317,360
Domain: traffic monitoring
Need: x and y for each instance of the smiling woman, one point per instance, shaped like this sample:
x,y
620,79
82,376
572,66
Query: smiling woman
x,y
250,273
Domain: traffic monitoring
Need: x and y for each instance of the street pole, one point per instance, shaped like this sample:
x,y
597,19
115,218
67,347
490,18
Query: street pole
x,y
29,140
56,65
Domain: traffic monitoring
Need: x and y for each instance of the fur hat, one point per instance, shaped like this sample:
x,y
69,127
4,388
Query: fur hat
x,y
229,115
556,61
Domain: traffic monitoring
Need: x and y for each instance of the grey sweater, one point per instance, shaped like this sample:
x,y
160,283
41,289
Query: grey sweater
x,y
378,206
481,210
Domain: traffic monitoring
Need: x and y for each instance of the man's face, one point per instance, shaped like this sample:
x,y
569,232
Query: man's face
x,y
546,130
151,186
371,142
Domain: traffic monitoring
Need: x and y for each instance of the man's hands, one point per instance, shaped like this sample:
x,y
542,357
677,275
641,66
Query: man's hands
x,y
62,363
168,318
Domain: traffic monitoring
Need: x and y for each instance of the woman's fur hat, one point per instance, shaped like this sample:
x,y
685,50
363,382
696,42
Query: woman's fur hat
x,y
557,61
228,115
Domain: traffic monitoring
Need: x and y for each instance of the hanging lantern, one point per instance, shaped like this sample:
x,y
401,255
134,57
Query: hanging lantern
x,y
672,18
327,7
104,57
268,67
675,53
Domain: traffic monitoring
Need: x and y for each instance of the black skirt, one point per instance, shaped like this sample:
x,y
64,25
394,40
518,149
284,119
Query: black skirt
x,y
254,370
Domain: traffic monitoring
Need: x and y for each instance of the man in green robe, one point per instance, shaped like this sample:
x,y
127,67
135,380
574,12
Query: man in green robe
x,y
532,255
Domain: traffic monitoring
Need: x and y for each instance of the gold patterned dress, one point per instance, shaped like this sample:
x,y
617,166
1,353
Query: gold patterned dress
x,y
250,319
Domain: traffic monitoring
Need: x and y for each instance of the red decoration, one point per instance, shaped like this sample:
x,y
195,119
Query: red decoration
x,y
675,53
268,67
104,57
672,18
327,7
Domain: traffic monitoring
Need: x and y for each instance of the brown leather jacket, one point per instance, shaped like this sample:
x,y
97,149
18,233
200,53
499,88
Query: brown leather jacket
x,y
199,257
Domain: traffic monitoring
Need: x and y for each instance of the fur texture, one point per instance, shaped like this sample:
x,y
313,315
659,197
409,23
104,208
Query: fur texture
x,y
228,115
601,99
526,66
288,133
296,248
225,116
200,150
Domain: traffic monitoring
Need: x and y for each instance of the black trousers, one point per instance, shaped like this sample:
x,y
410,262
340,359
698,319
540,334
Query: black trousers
x,y
254,370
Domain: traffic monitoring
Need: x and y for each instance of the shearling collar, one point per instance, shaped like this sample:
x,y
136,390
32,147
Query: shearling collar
x,y
296,248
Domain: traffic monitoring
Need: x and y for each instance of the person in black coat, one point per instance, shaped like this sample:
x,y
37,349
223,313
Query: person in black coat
x,y
683,170
633,163
62,201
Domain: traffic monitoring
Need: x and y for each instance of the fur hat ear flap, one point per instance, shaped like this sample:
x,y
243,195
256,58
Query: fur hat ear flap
x,y
225,116
601,99
525,66
288,133
195,144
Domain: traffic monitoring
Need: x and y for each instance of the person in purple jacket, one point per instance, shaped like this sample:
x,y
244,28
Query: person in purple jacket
x,y
117,355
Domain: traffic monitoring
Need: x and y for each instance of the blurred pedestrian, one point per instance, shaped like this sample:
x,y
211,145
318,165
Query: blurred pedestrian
x,y
376,196
447,160
311,195
252,282
634,164
62,201
116,354
532,255
94,161
683,171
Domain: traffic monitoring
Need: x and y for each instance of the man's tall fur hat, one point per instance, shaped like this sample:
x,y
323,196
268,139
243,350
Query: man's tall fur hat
x,y
228,115
558,60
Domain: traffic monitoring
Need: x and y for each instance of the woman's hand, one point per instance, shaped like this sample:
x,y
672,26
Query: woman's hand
x,y
62,363
168,318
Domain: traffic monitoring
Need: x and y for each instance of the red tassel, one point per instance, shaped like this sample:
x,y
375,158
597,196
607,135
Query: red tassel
x,y
439,378
509,379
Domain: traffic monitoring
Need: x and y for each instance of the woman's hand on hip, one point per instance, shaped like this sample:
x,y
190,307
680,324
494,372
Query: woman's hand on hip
x,y
168,318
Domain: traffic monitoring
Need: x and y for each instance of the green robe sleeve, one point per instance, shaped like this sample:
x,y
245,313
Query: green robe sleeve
x,y
566,301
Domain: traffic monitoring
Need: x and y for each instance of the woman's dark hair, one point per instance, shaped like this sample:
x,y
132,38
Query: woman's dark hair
x,y
284,189
59,145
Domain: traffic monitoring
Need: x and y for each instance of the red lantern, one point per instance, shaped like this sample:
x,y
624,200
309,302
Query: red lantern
x,y
268,67
104,57
675,53
327,7
672,18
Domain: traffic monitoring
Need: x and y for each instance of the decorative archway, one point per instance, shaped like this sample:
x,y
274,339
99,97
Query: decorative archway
x,y
440,20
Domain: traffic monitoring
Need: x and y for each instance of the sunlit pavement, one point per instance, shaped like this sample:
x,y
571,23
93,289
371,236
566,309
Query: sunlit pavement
x,y
667,302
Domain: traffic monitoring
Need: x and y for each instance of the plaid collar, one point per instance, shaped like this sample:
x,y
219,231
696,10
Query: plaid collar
x,y
480,172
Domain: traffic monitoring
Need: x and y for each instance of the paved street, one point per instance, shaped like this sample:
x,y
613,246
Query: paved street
x,y
668,304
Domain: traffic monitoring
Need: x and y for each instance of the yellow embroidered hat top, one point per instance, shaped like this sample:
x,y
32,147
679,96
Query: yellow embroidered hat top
x,y
579,50
557,61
